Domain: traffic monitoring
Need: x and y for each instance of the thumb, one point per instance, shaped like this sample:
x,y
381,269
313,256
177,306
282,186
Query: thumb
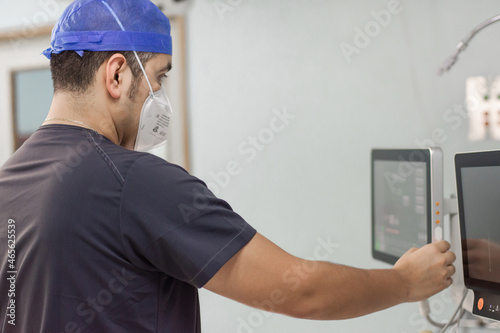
x,y
413,249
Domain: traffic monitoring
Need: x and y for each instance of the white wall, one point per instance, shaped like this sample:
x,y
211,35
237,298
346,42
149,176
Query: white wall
x,y
27,16
16,57
30,14
311,181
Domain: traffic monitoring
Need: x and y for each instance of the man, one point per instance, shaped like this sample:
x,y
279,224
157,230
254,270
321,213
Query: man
x,y
99,237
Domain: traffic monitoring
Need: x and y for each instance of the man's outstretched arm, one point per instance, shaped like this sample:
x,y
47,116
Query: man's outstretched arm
x,y
264,276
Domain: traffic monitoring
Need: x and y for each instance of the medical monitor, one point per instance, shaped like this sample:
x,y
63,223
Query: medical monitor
x,y
407,196
478,190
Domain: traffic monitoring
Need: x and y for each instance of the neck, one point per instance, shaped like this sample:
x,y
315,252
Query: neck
x,y
84,111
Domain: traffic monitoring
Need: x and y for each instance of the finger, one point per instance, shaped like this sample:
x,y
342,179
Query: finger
x,y
442,246
450,258
450,270
411,250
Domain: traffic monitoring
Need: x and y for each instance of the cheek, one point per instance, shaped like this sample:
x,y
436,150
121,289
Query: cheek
x,y
128,115
134,113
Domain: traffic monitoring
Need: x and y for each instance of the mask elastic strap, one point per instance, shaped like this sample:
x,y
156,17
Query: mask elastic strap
x,y
135,53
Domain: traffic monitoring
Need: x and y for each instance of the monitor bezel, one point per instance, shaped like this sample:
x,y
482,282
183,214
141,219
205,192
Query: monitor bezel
x,y
472,160
402,155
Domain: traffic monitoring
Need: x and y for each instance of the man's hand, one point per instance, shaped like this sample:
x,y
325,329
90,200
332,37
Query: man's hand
x,y
266,277
426,271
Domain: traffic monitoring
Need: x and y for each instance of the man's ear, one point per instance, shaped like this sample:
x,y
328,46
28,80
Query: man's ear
x,y
115,71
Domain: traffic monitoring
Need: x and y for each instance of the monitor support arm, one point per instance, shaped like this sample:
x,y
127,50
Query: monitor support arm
x,y
450,206
462,45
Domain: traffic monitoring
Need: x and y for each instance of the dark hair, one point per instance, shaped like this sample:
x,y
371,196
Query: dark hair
x,y
73,73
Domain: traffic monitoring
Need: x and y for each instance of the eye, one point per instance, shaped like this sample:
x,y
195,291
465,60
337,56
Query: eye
x,y
163,78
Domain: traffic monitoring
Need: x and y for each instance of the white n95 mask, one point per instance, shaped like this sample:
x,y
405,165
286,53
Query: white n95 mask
x,y
154,122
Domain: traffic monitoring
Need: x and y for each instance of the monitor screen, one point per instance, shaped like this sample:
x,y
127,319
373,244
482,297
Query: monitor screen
x,y
478,193
401,201
478,186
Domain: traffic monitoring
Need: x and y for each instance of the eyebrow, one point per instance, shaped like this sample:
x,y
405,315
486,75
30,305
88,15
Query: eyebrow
x,y
166,68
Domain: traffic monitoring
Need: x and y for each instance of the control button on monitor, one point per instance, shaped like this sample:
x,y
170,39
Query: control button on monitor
x,y
480,304
438,233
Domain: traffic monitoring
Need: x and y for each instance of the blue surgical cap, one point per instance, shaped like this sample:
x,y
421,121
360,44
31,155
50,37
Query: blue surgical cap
x,y
111,25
